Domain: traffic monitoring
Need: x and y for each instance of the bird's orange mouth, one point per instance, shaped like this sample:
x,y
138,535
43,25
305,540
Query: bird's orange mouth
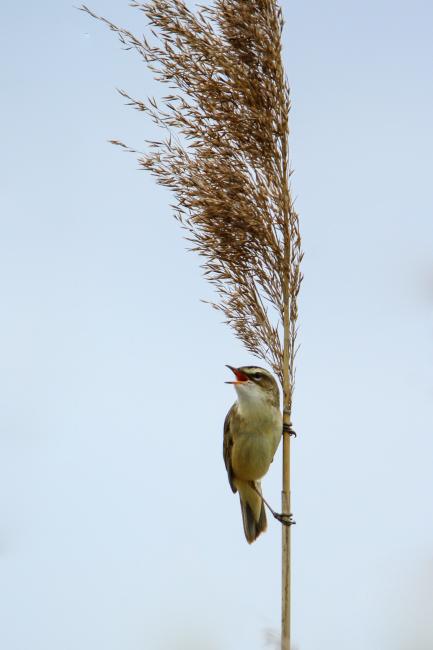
x,y
241,377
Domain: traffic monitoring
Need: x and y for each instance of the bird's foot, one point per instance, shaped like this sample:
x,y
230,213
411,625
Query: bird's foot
x,y
287,428
285,519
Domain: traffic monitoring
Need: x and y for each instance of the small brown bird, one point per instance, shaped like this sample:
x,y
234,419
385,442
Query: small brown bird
x,y
252,432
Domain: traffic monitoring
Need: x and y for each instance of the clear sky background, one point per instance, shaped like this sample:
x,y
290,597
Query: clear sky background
x,y
118,529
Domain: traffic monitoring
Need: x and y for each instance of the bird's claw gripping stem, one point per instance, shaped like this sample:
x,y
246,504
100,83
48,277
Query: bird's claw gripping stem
x,y
285,519
287,428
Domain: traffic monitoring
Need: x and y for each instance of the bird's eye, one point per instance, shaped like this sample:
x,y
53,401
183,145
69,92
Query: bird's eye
x,y
257,375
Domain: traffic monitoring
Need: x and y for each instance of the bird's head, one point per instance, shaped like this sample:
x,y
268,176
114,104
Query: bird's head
x,y
253,383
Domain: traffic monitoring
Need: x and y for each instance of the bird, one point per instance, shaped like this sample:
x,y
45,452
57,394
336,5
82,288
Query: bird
x,y
252,432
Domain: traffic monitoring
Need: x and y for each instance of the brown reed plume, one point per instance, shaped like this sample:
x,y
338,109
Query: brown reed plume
x,y
225,157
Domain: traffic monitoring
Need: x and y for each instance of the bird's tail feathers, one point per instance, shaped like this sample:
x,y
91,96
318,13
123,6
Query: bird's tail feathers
x,y
253,511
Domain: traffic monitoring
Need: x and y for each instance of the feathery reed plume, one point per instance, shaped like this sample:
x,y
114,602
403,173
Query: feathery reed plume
x,y
225,157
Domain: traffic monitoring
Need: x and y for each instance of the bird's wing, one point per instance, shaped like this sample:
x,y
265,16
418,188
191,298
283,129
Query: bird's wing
x,y
227,448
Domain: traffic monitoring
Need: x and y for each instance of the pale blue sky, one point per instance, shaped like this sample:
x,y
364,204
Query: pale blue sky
x,y
118,529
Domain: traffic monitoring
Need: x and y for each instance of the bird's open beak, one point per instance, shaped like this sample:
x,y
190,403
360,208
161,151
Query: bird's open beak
x,y
241,378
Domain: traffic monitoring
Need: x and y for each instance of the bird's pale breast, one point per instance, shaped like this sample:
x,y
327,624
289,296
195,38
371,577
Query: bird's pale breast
x,y
255,445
